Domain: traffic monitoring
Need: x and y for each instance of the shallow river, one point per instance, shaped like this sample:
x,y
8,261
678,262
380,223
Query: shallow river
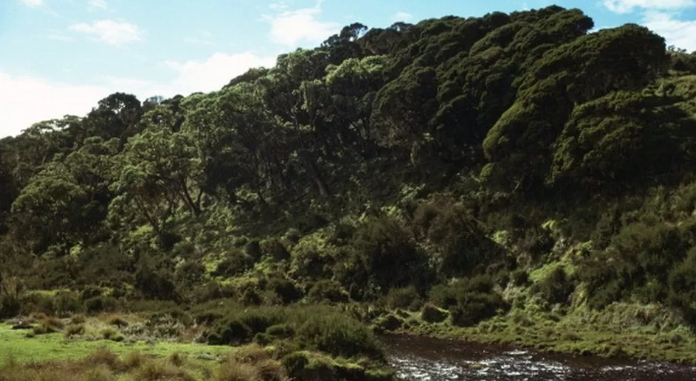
x,y
427,359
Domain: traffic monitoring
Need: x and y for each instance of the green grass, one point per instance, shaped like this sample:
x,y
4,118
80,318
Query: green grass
x,y
14,344
574,334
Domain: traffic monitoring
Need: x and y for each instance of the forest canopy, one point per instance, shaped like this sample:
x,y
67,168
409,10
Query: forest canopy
x,y
383,159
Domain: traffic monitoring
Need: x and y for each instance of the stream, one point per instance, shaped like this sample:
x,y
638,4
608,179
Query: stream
x,y
427,359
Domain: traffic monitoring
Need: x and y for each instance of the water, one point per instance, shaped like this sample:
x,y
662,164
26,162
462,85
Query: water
x,y
427,359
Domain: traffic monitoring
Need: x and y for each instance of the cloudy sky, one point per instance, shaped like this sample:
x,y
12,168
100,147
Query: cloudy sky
x,y
60,57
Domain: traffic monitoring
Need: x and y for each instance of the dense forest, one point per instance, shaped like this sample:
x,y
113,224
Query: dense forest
x,y
463,167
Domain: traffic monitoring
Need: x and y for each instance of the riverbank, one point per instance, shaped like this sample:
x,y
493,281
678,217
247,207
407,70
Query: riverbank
x,y
621,331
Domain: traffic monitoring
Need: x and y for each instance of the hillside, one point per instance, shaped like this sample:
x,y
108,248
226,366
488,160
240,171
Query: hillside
x,y
513,167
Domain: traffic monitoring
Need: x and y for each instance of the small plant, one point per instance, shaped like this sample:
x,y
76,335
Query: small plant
x,y
118,321
112,334
178,359
74,330
134,360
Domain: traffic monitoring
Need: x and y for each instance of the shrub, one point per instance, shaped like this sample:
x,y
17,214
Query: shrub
x,y
134,360
66,304
519,277
157,370
556,287
462,245
682,284
443,296
285,289
339,336
74,330
190,272
234,371
295,363
117,321
234,264
431,314
275,249
280,331
101,304
90,291
104,357
327,291
253,250
383,245
156,284
402,297
474,307
48,325
112,334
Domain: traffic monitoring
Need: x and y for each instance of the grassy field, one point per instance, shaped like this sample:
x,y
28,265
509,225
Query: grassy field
x,y
54,346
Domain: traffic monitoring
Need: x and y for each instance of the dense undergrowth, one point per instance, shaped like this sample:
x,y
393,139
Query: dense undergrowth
x,y
502,178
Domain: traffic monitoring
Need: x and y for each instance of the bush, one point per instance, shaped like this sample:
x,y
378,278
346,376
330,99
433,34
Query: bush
x,y
327,291
90,291
253,250
66,304
519,277
474,307
74,330
234,264
431,314
112,334
462,245
402,297
280,331
556,287
285,289
117,321
156,284
101,304
682,285
382,245
443,296
275,250
338,335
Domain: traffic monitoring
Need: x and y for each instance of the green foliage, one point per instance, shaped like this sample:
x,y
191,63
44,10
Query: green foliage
x,y
312,328
382,166
402,298
327,291
556,287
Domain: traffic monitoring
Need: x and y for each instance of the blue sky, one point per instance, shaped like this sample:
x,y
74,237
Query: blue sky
x,y
60,57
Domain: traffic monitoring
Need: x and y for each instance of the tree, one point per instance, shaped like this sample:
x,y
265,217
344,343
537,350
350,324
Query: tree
x,y
158,171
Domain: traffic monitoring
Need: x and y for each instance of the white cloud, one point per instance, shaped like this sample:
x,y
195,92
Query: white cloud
x,y
32,3
98,4
214,72
198,41
679,33
628,6
60,37
402,16
110,32
279,6
302,25
27,100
